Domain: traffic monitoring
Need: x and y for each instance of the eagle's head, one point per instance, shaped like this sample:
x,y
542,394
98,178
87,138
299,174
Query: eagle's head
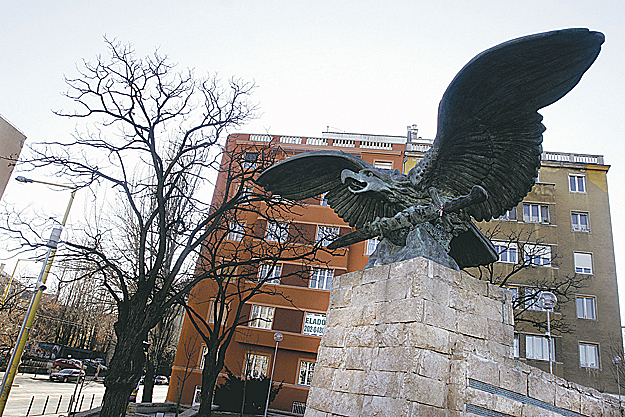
x,y
382,184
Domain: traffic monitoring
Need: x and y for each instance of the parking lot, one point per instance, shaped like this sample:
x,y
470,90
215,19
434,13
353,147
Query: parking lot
x,y
57,395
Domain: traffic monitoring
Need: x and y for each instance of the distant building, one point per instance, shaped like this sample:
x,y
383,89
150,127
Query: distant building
x,y
11,142
567,211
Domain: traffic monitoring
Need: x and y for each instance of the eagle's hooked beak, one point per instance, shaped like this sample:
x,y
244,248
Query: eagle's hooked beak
x,y
356,182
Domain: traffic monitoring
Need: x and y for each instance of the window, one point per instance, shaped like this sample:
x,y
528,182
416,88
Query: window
x,y
383,164
535,213
371,245
588,355
326,234
306,370
197,395
515,346
321,278
277,232
507,252
586,307
246,194
262,317
211,312
537,347
236,231
314,324
532,299
256,365
298,406
539,255
579,222
577,183
270,273
509,215
583,263
249,160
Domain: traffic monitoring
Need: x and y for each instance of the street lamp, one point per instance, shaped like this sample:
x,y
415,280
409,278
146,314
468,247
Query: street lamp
x,y
40,287
278,338
547,300
616,361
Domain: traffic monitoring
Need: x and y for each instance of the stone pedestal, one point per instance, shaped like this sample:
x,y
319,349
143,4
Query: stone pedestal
x,y
417,339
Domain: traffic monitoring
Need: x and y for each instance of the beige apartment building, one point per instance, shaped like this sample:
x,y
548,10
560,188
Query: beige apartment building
x,y
11,142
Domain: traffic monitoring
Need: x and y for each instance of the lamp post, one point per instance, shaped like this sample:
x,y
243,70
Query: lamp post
x,y
616,360
6,292
40,287
547,300
278,338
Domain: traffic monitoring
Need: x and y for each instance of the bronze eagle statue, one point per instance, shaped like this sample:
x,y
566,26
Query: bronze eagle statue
x,y
483,161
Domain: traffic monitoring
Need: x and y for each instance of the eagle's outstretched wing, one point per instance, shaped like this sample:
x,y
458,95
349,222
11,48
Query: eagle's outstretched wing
x,y
313,173
489,130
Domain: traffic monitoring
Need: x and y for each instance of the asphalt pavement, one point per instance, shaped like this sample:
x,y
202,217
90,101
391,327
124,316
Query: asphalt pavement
x,y
30,391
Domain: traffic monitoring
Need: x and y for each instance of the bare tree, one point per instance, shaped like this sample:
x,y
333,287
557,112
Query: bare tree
x,y
155,134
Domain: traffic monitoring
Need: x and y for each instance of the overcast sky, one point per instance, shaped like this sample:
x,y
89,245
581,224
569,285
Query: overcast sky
x,y
356,66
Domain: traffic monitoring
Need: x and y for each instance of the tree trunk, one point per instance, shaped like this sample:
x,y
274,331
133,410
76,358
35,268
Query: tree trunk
x,y
125,369
209,379
148,381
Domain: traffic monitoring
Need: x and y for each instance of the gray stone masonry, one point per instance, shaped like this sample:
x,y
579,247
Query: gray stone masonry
x,y
417,339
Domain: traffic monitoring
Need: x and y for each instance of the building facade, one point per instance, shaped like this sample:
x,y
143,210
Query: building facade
x,y
11,142
567,218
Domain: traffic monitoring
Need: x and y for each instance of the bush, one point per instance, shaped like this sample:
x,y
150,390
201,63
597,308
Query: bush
x,y
228,396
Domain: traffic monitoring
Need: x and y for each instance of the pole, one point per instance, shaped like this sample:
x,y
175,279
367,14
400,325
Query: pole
x,y
18,350
550,342
277,337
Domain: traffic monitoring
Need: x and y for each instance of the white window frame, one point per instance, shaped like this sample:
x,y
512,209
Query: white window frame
x,y
586,306
237,230
269,275
259,365
576,225
204,352
298,408
537,348
197,395
306,372
372,244
510,215
261,317
314,324
211,311
277,232
586,348
507,251
321,278
383,164
515,346
583,263
537,255
574,183
535,213
327,234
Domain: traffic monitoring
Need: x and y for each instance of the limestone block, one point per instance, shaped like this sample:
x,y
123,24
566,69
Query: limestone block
x,y
340,297
339,317
482,369
396,359
425,390
533,411
539,387
439,315
391,289
391,334
363,294
347,281
513,379
591,406
384,406
507,406
400,311
458,370
428,337
472,325
330,356
500,332
568,398
456,397
480,398
364,315
408,268
422,410
347,404
375,274
315,413
382,383
322,376
429,288
433,365
473,285
361,336
497,293
348,380
334,337
460,299
359,357
489,308
320,399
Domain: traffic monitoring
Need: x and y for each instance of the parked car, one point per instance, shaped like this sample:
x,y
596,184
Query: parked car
x,y
67,375
161,380
68,363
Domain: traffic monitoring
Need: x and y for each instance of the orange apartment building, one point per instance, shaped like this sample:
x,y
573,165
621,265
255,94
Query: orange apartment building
x,y
577,228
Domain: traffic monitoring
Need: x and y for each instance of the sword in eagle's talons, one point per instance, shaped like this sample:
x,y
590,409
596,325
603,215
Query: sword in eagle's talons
x,y
408,218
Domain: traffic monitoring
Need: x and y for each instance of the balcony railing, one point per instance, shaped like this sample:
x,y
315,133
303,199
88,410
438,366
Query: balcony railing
x,y
572,157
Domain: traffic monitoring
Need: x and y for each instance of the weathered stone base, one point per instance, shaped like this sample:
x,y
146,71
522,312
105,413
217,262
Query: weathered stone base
x,y
417,339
